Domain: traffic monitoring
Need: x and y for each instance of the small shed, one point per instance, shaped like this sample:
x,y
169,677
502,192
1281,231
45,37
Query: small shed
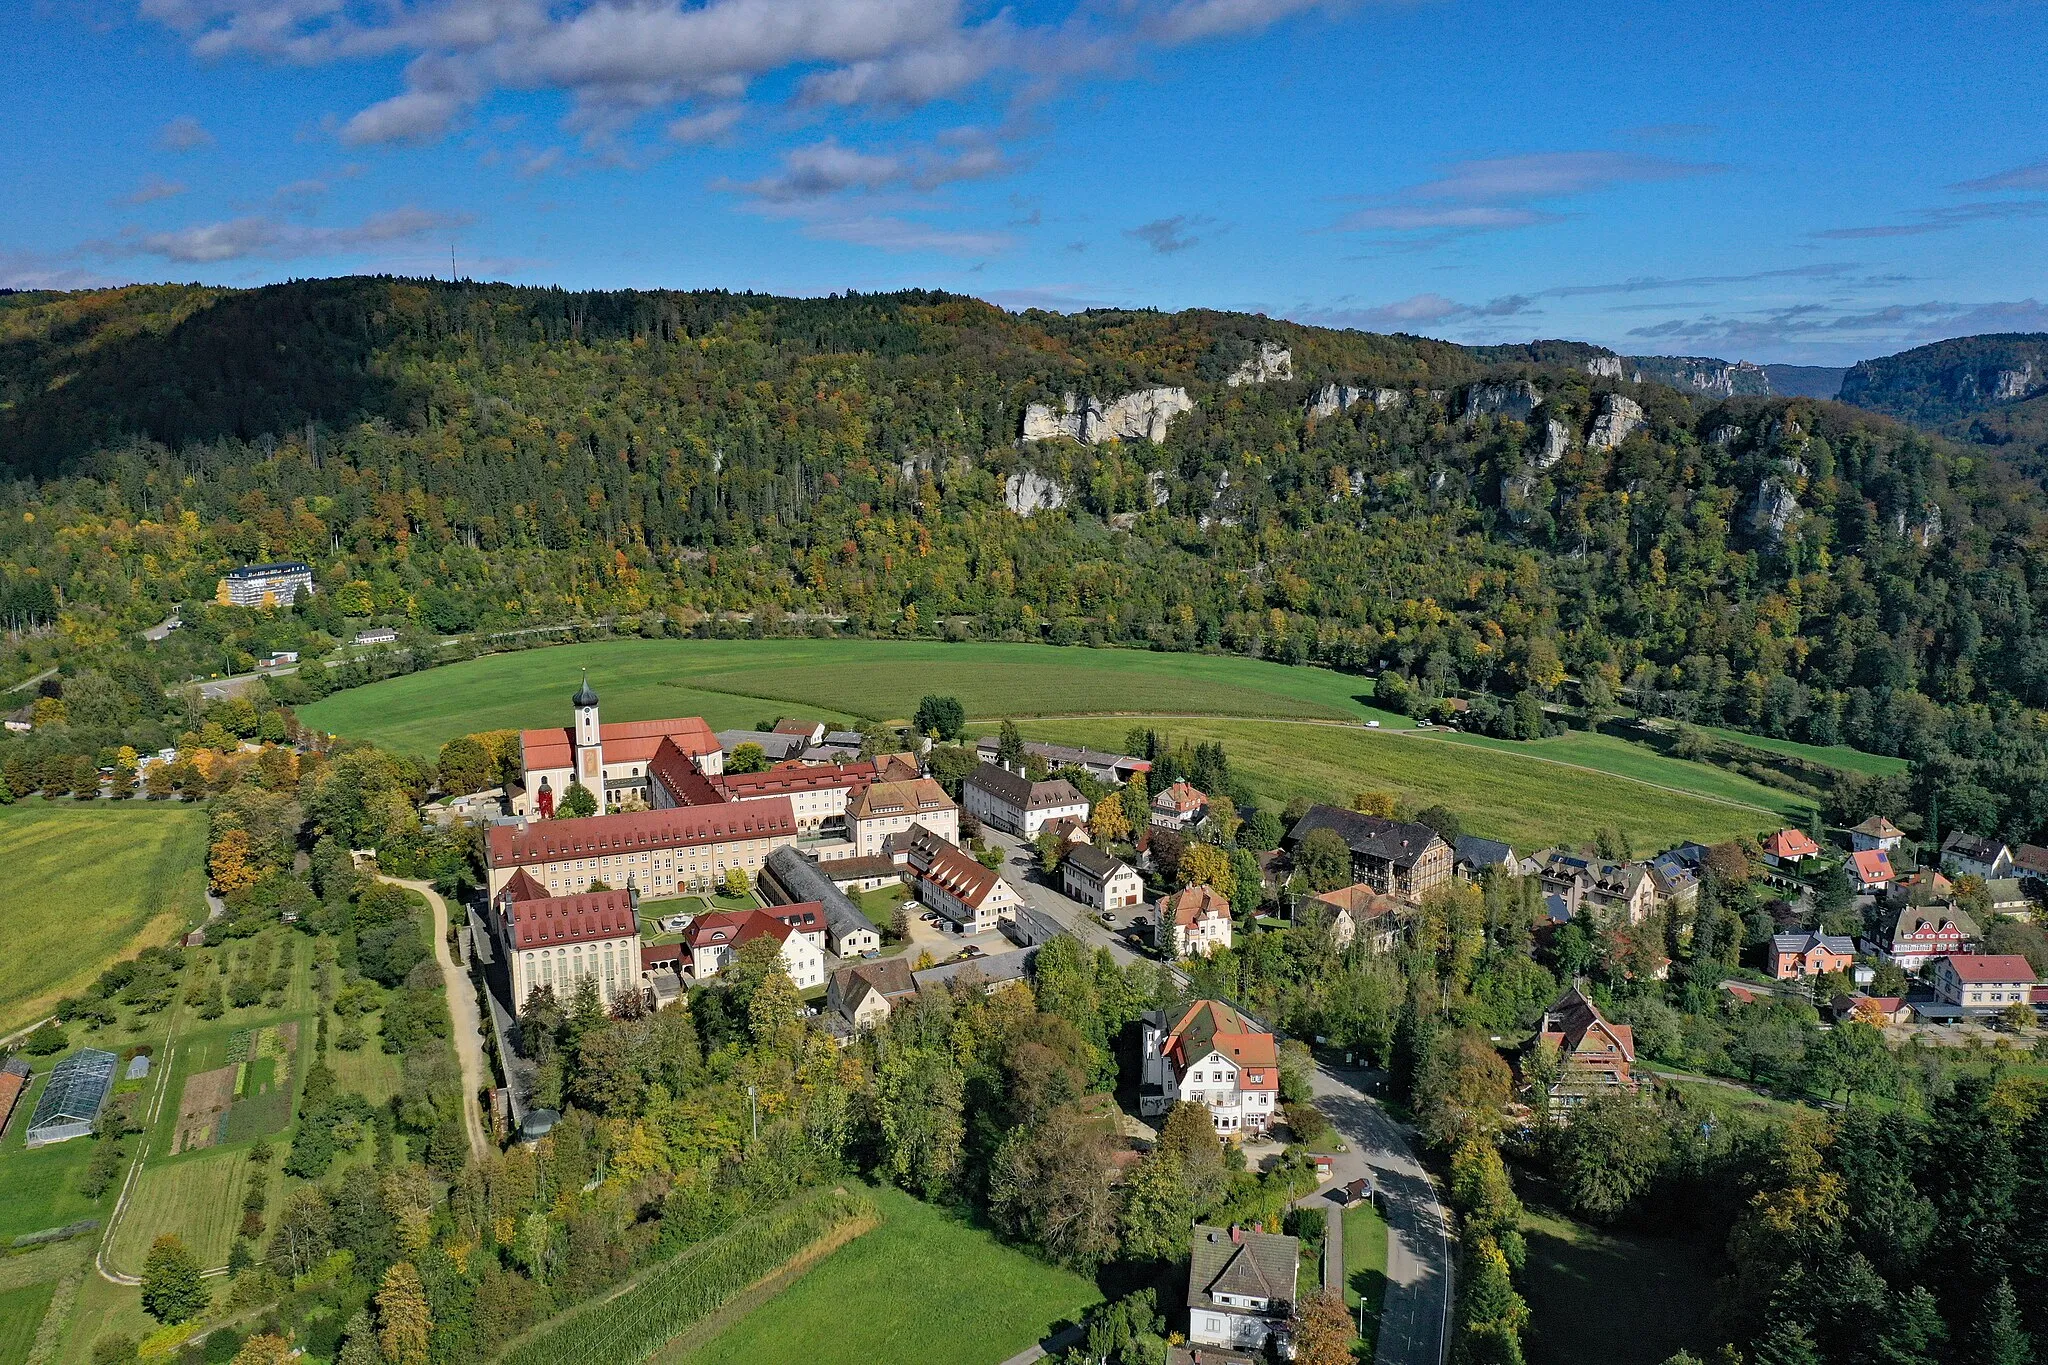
x,y
138,1066
1357,1191
1325,1166
72,1100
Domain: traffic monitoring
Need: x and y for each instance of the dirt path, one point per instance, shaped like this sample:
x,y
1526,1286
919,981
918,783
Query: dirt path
x,y
468,1023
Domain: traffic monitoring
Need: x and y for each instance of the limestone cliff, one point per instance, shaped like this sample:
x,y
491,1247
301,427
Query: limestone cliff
x,y
1605,367
1618,417
1271,362
1029,491
1514,400
1143,414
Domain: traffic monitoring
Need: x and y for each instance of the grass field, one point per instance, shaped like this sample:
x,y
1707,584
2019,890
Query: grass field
x,y
199,1198
734,683
370,1071
88,883
1616,1297
1833,755
1499,792
39,1189
1365,1267
21,1312
921,1287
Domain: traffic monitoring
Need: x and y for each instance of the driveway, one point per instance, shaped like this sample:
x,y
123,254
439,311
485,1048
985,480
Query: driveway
x,y
468,1021
1021,870
1415,1321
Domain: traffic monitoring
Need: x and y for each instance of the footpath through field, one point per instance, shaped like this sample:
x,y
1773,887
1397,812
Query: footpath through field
x,y
466,1020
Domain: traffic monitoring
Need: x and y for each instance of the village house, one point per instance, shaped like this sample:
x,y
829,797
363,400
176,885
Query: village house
x,y
1871,871
1790,848
968,896
2008,896
1593,1057
1194,922
1215,1057
887,808
1241,1289
1879,1011
1103,767
1095,879
1797,956
1924,887
559,940
789,878
715,940
1015,804
1612,892
863,993
1357,910
1675,880
2030,863
1472,855
1919,934
611,762
1399,857
1180,807
1975,856
1986,982
658,853
1876,835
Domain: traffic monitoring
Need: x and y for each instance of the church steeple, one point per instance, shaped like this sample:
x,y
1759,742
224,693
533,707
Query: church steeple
x,y
589,760
585,696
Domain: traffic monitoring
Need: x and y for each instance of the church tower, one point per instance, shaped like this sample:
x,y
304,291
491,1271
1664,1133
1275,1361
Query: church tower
x,y
589,757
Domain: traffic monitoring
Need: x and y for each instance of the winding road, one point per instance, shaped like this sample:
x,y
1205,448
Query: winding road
x,y
467,1020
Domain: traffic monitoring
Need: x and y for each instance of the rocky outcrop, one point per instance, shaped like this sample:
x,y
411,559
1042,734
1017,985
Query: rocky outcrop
x,y
1332,399
1605,367
1618,417
1557,439
1144,414
1383,399
1514,400
1271,362
1773,508
1155,488
1724,435
2008,385
1029,491
1703,374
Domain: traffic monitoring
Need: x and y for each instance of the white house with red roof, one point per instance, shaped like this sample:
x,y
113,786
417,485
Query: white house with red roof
x,y
969,897
613,762
1790,848
715,939
557,941
656,852
1181,806
1193,922
1871,870
1983,981
1215,1057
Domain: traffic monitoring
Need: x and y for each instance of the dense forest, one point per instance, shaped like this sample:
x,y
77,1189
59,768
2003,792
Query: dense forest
x,y
457,457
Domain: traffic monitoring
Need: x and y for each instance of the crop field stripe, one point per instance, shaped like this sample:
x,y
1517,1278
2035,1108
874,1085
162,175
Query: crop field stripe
x,y
21,1313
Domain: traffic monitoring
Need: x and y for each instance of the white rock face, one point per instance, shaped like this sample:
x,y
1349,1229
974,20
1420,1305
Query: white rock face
x,y
1605,367
1514,400
2007,385
1556,440
1618,417
1144,414
1724,435
1271,362
1155,487
1332,399
1029,491
1774,508
1384,399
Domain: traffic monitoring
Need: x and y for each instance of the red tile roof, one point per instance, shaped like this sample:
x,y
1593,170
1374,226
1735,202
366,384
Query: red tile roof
x,y
960,876
1180,798
1978,968
786,778
1212,1026
886,799
630,741
1186,908
546,841
1871,866
1791,843
559,920
730,928
681,778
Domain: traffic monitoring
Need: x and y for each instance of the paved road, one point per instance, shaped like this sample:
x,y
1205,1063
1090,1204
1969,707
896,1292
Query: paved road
x,y
462,1009
1415,1321
1077,919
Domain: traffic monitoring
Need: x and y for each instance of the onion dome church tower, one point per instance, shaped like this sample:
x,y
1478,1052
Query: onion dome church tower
x,y
589,755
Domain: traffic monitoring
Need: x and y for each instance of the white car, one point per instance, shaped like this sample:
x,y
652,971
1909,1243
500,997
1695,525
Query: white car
x,y
1372,725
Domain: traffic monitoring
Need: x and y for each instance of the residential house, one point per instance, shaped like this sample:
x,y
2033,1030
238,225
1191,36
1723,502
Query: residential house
x,y
1215,1057
715,941
1879,1011
887,808
377,635
1975,856
1871,870
560,940
863,993
1103,767
1594,1057
1096,879
1924,887
1676,881
1241,1289
1014,803
1068,830
1790,848
1983,981
1027,928
1919,934
1472,855
1180,807
1876,835
2008,896
2030,863
1797,956
788,878
969,897
1612,892
1357,910
1399,857
1194,922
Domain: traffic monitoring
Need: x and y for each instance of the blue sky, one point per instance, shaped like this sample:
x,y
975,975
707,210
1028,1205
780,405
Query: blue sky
x,y
1787,182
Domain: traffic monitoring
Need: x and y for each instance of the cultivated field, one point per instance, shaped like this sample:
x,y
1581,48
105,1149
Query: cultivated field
x,y
199,1199
1505,792
88,883
859,1306
734,683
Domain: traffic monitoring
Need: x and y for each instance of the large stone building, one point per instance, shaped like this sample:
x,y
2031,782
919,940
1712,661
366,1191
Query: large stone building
x,y
265,585
1398,857
715,940
884,809
612,762
556,941
658,853
1014,803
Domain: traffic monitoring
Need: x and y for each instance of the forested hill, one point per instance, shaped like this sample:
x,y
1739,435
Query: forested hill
x,y
1501,519
1992,389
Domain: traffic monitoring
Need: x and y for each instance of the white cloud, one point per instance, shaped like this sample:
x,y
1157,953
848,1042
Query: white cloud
x,y
260,235
184,134
709,126
827,168
2031,177
152,189
1417,310
1495,193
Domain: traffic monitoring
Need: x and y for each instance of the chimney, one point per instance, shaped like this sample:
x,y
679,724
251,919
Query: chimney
x,y
1236,1235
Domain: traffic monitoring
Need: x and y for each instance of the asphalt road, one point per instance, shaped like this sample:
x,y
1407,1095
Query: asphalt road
x,y
1415,1322
1021,871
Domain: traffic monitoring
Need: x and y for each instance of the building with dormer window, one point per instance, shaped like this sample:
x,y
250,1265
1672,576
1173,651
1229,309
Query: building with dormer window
x,y
1241,1288
1216,1057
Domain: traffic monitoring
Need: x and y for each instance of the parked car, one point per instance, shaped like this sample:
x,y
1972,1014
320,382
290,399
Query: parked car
x,y
971,950
872,954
